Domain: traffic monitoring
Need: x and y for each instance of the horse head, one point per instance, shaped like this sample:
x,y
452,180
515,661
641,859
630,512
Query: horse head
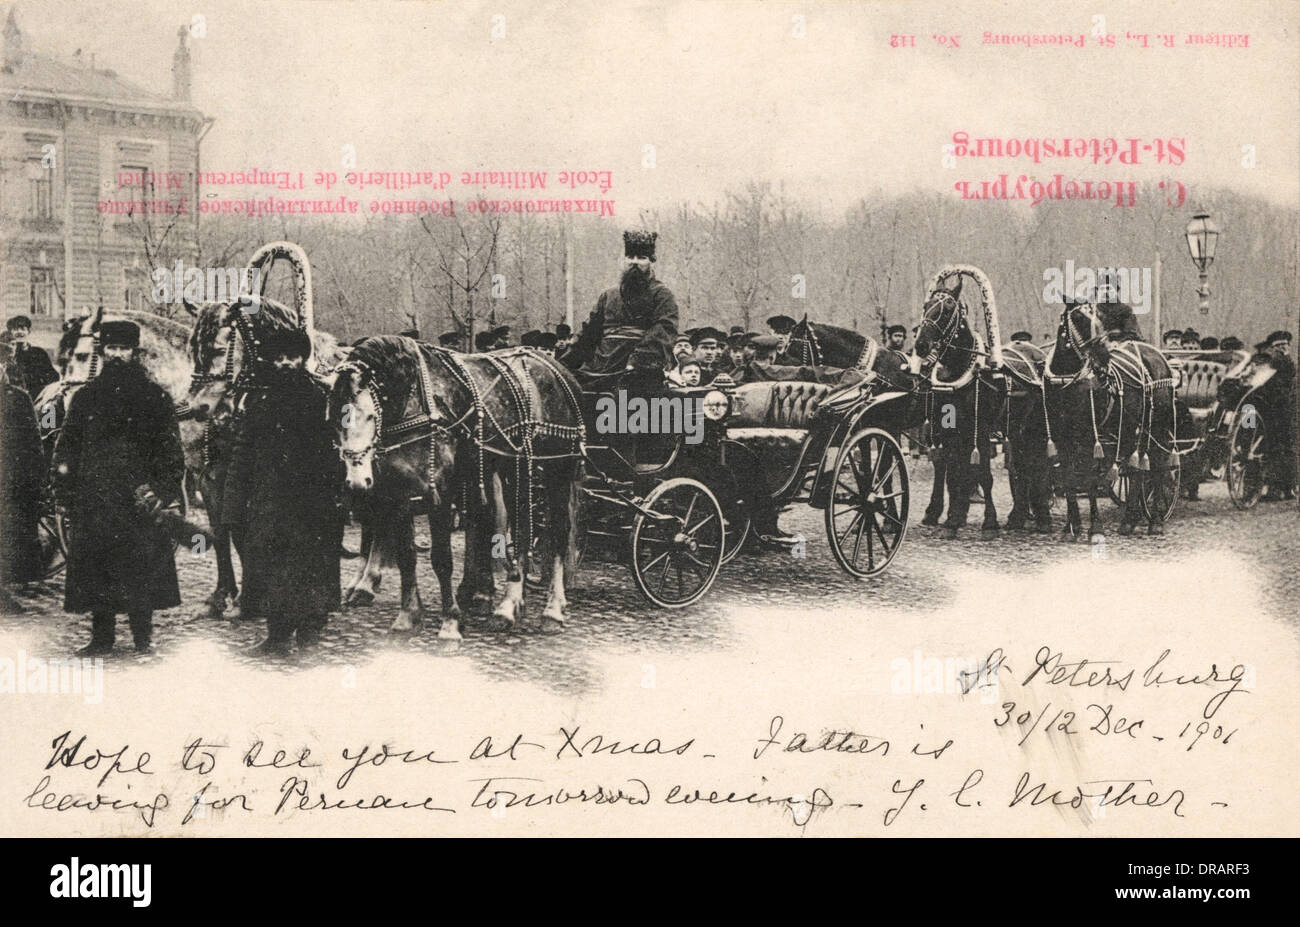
x,y
374,389
224,348
1082,333
945,337
80,354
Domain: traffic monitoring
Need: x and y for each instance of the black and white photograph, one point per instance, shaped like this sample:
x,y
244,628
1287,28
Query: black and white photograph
x,y
677,418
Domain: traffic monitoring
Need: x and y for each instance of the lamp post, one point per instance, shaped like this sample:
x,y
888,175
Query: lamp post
x,y
1202,239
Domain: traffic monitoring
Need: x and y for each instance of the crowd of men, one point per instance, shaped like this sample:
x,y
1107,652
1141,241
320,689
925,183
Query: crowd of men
x,y
117,467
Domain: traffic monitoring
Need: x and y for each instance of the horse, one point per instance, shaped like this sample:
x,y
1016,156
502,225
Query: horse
x,y
1099,391
1026,429
965,397
418,421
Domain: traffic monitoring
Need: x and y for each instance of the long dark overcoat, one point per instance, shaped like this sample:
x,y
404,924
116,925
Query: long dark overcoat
x,y
120,433
284,489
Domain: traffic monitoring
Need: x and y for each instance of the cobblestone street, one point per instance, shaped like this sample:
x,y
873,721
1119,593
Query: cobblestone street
x,y
608,615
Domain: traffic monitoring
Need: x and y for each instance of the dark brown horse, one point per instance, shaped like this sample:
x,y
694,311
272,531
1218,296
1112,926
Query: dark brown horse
x,y
488,431
966,395
1110,403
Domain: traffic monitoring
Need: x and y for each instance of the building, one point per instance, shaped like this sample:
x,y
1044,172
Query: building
x,y
97,182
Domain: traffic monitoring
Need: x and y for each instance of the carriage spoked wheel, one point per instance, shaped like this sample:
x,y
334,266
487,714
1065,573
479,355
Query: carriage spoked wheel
x,y
866,514
1246,461
1172,482
678,538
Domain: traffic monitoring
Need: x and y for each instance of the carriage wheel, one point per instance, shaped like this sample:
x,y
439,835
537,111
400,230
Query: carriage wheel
x,y
1246,461
677,547
866,515
1172,483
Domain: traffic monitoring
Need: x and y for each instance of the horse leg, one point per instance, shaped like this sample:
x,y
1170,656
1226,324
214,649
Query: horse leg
x,y
226,590
563,500
934,510
990,527
1037,476
411,611
962,477
1016,518
440,558
1159,476
366,585
511,607
1073,519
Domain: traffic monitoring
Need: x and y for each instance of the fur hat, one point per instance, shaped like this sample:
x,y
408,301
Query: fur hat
x,y
287,342
639,243
120,333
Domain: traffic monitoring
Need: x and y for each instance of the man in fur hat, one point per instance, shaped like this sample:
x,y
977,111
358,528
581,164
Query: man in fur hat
x,y
119,455
634,323
284,489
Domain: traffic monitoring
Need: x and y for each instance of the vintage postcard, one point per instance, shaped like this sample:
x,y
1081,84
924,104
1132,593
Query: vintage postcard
x,y
674,418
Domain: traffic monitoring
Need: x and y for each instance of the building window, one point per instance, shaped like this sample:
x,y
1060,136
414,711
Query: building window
x,y
42,301
41,179
138,189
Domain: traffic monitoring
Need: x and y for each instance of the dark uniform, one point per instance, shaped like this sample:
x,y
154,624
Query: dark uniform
x,y
22,478
120,436
284,490
1277,407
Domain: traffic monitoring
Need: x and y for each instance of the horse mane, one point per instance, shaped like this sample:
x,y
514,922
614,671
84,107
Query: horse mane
x,y
386,361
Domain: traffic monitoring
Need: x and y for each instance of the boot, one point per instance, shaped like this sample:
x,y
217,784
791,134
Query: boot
x,y
103,634
142,631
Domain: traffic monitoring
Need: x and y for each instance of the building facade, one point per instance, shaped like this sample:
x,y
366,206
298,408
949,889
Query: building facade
x,y
97,183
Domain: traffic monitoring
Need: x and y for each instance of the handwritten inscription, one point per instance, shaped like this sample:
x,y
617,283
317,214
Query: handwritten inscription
x,y
802,770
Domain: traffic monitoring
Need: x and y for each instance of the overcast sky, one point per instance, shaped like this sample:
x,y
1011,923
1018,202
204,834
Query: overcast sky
x,y
723,90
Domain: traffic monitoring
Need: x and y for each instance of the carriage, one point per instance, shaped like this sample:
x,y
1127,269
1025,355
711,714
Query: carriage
x,y
1220,429
685,507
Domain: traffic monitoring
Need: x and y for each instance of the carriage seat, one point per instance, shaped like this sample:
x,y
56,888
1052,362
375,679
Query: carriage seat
x,y
1198,384
785,404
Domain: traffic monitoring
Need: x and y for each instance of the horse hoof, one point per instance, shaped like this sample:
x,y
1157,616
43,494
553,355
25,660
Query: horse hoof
x,y
1125,530
928,522
1096,537
1043,527
988,534
359,598
1155,531
552,625
450,630
950,533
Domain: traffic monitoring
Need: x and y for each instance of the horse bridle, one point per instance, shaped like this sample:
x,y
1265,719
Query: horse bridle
x,y
944,336
1077,341
251,346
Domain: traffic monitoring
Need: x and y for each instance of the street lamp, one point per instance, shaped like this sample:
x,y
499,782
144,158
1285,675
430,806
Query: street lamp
x,y
1202,238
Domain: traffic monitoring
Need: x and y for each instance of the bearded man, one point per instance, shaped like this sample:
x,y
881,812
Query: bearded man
x,y
117,460
634,324
284,489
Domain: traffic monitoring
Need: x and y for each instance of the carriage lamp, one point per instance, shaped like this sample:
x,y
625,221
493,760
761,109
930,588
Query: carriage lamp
x,y
1202,238
715,405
